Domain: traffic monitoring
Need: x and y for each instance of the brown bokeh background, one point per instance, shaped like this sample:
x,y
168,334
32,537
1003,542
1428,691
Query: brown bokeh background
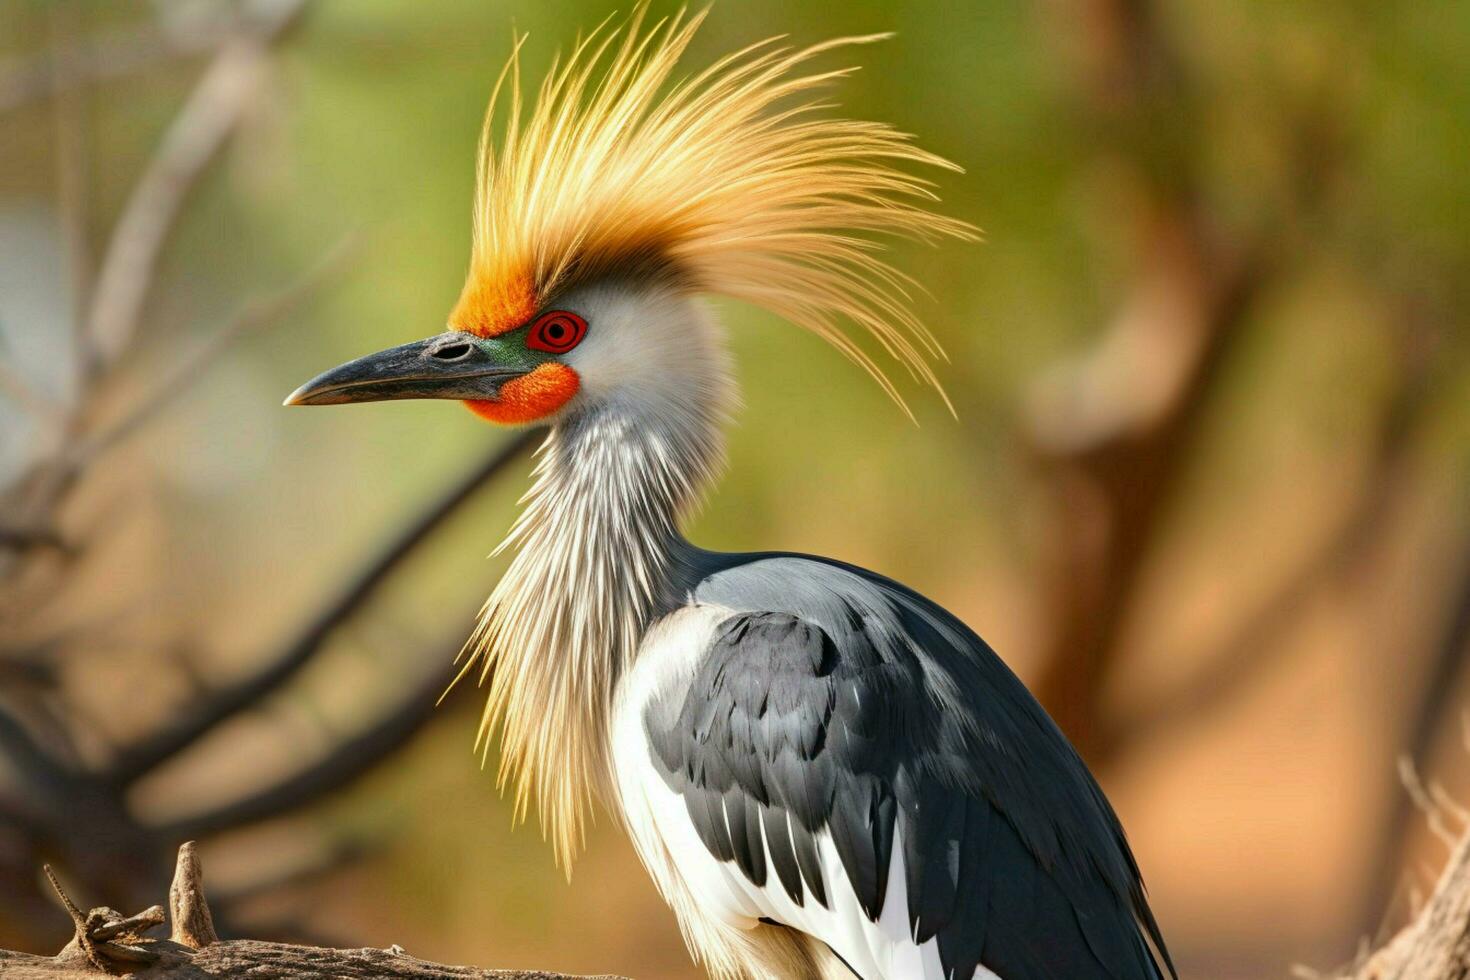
x,y
1206,491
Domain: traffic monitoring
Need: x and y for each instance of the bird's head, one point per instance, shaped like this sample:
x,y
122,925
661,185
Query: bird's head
x,y
621,196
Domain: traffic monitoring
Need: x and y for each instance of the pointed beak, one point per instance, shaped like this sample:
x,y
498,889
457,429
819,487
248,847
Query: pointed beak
x,y
451,365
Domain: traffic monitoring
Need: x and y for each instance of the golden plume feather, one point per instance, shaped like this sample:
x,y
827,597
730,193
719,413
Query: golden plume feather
x,y
733,179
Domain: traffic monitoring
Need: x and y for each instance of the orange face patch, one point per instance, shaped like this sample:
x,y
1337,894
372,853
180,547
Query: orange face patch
x,y
489,307
530,397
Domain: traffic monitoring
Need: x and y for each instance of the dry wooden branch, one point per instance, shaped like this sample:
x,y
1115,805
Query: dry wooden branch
x,y
1436,944
107,943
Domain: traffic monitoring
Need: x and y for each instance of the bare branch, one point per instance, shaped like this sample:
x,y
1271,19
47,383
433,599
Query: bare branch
x,y
1113,490
186,372
339,767
151,752
66,902
143,921
192,141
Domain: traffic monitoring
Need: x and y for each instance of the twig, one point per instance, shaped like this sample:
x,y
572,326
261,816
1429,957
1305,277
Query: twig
x,y
134,762
339,767
186,372
71,909
192,140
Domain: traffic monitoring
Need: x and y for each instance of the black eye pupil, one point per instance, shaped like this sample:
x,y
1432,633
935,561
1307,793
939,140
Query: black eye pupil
x,y
556,331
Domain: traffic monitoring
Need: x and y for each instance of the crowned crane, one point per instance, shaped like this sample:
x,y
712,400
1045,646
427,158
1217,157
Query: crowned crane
x,y
824,772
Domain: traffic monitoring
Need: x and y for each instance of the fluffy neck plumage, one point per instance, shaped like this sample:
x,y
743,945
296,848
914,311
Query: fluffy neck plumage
x,y
595,555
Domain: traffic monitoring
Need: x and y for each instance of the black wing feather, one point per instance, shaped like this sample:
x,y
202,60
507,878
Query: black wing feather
x,y
783,853
743,814
932,855
840,701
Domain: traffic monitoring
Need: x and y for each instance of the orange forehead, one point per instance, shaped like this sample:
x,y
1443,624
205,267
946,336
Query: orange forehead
x,y
530,397
491,306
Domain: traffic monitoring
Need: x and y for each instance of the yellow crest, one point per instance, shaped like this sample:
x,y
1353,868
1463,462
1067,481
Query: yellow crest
x,y
734,180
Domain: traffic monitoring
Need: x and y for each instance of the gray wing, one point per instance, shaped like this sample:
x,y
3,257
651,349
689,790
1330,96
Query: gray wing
x,y
843,701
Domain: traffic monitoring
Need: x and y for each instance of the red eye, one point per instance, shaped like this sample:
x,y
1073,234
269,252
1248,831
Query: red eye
x,y
557,332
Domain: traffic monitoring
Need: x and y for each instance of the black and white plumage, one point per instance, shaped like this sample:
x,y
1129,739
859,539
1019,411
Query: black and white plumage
x,y
823,772
841,741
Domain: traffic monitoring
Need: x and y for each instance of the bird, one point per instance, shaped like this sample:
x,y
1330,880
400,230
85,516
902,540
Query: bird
x,y
825,773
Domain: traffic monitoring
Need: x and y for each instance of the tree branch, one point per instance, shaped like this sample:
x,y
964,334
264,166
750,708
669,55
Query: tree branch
x,y
1436,944
182,375
141,758
107,943
193,139
339,767
1253,644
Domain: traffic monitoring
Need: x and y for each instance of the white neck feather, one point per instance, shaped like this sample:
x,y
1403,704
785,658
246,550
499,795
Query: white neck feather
x,y
594,550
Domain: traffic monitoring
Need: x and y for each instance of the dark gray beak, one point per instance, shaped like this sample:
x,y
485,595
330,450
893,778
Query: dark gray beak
x,y
451,365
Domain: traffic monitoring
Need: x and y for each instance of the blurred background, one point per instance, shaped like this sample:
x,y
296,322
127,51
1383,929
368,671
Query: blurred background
x,y
1206,493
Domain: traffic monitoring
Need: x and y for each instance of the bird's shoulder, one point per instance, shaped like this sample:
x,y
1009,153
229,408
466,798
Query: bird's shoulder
x,y
793,614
